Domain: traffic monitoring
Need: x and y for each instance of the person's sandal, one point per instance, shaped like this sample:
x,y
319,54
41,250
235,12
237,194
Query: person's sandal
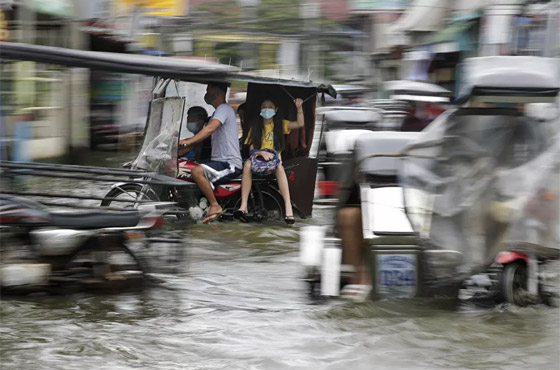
x,y
241,216
213,217
290,220
356,292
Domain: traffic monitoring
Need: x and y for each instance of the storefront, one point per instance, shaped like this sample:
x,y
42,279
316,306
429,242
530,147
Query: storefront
x,y
457,40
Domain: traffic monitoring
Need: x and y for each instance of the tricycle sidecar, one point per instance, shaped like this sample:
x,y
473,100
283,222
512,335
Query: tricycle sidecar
x,y
476,192
485,180
163,129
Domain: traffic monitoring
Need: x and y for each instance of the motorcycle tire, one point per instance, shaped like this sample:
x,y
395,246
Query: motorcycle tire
x,y
273,207
130,192
99,266
513,284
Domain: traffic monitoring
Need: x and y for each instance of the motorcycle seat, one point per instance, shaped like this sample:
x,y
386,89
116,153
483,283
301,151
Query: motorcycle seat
x,y
95,220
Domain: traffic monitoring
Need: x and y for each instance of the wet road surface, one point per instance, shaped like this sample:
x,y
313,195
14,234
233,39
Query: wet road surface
x,y
238,303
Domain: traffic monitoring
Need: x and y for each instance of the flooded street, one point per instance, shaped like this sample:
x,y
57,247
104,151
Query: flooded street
x,y
239,303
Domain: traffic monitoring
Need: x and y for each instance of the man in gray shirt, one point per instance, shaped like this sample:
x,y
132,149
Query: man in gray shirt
x,y
225,163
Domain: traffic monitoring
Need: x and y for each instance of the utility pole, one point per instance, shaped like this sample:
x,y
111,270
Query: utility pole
x,y
248,15
310,11
495,36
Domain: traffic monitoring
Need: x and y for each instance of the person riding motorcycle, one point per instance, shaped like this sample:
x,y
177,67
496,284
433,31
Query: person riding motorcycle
x,y
225,163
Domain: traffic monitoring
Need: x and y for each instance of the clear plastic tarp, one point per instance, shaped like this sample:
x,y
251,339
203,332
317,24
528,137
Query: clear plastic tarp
x,y
159,150
481,180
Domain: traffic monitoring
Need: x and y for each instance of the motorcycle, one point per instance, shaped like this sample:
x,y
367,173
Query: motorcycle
x,y
159,155
265,201
43,250
165,119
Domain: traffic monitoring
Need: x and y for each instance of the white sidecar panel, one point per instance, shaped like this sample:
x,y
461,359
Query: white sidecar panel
x,y
311,244
342,141
372,150
383,212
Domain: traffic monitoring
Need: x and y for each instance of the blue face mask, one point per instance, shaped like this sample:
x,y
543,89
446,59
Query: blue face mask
x,y
194,127
267,113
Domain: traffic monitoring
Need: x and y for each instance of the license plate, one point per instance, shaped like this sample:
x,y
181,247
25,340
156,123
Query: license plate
x,y
397,275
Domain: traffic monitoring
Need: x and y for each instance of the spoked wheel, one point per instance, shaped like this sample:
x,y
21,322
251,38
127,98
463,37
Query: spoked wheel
x,y
128,196
273,209
111,267
514,281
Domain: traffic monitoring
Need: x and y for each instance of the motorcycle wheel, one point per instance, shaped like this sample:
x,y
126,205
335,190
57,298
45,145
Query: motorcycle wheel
x,y
100,267
127,192
273,208
513,283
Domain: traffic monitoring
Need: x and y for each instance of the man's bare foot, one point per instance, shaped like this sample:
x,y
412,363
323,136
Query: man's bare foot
x,y
361,276
213,214
214,209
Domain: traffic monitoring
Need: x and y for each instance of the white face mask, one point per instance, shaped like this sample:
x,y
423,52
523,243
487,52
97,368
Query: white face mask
x,y
267,113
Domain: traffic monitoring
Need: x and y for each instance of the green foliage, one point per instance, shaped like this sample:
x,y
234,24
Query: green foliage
x,y
224,51
279,16
223,12
331,59
272,16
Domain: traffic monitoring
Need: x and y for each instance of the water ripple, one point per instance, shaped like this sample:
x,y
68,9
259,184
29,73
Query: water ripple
x,y
238,304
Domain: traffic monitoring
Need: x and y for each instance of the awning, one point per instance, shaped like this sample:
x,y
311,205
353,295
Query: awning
x,y
421,16
455,37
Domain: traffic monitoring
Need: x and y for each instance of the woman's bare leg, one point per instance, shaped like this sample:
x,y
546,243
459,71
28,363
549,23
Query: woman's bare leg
x,y
246,182
284,189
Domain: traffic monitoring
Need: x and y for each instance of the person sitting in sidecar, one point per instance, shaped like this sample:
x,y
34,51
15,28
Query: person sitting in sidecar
x,y
266,142
197,118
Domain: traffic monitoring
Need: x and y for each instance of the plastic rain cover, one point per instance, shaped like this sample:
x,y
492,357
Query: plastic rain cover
x,y
482,180
159,150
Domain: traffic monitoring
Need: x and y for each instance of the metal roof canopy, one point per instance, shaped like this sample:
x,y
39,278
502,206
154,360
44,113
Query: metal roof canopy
x,y
513,79
413,87
175,68
357,116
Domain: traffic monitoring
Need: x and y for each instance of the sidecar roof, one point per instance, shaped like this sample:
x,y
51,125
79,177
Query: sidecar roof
x,y
167,67
353,115
410,90
511,79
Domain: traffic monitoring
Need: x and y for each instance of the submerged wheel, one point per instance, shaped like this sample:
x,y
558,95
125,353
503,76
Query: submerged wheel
x,y
111,267
273,209
126,195
513,283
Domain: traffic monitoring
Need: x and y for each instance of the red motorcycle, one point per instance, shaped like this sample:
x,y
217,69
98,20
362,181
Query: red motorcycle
x,y
265,200
159,151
